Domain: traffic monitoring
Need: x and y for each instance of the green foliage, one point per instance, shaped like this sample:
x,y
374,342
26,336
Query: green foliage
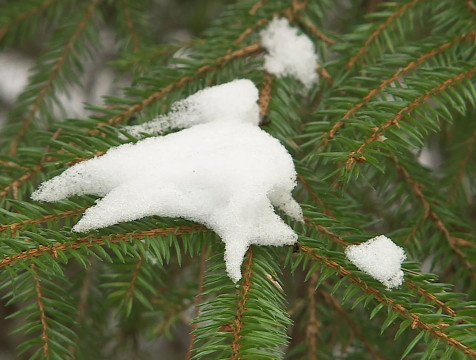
x,y
395,82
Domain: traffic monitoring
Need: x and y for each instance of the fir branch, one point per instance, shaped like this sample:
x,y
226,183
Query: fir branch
x,y
316,32
379,131
312,326
47,86
198,300
25,15
432,298
156,96
90,241
132,284
355,328
15,184
323,230
39,300
379,29
462,168
296,6
240,310
429,213
130,25
405,313
402,72
314,196
58,216
471,6
256,6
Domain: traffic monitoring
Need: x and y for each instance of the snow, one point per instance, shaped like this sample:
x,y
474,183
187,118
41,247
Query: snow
x,y
224,172
380,258
289,54
234,102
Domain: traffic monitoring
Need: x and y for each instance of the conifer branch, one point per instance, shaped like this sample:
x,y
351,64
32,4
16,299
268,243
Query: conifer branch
x,y
379,29
312,326
323,230
43,219
296,6
265,98
405,313
471,6
429,213
156,96
462,168
402,72
130,25
14,185
256,6
92,241
25,15
316,32
48,85
132,284
245,288
379,131
431,297
39,300
355,328
198,300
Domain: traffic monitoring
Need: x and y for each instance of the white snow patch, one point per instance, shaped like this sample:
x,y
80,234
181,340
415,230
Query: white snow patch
x,y
380,258
234,102
289,54
226,173
13,75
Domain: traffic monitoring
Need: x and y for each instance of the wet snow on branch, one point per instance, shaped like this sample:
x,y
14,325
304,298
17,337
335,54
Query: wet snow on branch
x,y
223,171
289,54
380,258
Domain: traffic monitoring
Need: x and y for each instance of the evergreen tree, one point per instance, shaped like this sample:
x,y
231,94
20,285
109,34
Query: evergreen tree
x,y
396,79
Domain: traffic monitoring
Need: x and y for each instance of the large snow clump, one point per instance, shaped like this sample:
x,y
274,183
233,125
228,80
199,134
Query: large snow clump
x,y
222,171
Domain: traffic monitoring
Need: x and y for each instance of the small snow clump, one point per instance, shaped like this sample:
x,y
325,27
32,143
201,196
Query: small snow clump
x,y
380,258
224,172
289,54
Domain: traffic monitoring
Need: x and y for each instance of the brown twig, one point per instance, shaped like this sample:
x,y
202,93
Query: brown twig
x,y
471,6
245,289
316,32
431,297
393,121
25,15
379,29
314,196
39,299
130,26
334,237
402,72
89,241
256,6
40,220
416,321
355,328
265,97
132,284
312,326
198,300
69,47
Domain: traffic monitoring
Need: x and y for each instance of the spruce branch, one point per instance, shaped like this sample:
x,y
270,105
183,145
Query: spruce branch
x,y
398,13
130,25
241,308
312,326
55,73
402,72
24,15
431,214
459,177
357,155
41,307
405,313
355,328
90,241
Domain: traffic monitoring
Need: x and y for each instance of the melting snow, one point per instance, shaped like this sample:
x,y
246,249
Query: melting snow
x,y
380,258
223,171
289,54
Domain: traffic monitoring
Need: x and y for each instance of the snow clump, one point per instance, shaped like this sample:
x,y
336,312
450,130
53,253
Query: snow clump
x,y
222,171
380,258
289,54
